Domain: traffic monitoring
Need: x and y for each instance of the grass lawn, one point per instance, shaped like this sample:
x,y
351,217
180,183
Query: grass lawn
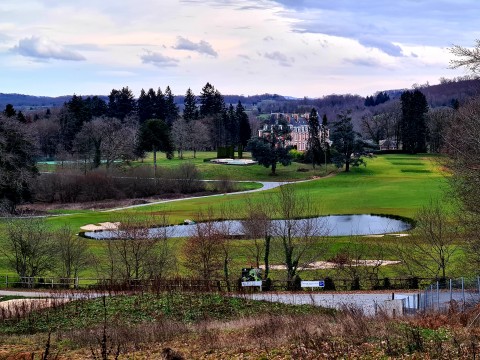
x,y
212,171
382,187
389,184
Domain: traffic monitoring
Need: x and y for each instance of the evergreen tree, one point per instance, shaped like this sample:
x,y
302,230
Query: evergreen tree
x,y
171,109
159,108
72,119
21,118
314,152
369,101
231,127
154,135
413,123
207,101
121,103
146,105
17,164
244,129
346,143
96,107
9,111
190,111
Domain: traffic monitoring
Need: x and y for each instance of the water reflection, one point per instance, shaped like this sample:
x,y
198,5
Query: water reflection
x,y
332,225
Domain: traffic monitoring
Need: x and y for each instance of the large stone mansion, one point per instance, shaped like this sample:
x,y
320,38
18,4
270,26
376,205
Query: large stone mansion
x,y
298,124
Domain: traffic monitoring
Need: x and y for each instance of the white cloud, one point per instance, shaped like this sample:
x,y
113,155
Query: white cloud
x,y
158,59
43,48
281,58
201,47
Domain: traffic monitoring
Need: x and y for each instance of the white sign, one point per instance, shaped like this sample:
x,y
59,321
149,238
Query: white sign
x,y
312,284
252,283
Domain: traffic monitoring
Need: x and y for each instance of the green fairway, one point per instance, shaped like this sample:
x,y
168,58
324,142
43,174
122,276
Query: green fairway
x,y
389,184
382,187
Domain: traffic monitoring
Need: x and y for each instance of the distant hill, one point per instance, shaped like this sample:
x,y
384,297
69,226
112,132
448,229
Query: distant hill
x,y
437,95
30,102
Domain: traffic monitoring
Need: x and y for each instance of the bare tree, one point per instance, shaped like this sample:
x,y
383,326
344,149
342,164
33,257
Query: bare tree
x,y
257,226
105,139
181,133
463,148
204,250
199,138
360,259
469,58
433,244
438,120
73,252
136,253
30,247
299,236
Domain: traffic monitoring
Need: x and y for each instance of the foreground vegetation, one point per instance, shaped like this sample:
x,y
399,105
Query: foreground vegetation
x,y
210,326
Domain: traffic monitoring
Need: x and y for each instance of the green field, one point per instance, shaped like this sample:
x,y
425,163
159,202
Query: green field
x,y
382,187
389,184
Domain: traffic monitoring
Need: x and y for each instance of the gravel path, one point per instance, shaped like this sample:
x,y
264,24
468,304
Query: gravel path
x,y
266,185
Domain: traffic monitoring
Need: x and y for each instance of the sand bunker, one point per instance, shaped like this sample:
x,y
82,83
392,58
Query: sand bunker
x,y
101,226
321,265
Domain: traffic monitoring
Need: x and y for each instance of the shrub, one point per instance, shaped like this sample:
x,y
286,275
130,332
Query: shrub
x,y
329,284
355,284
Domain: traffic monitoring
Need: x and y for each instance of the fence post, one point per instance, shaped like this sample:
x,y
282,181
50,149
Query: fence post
x,y
431,296
451,293
463,292
438,296
6,280
478,284
426,299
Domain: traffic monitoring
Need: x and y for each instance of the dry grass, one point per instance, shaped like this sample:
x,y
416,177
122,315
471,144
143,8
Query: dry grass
x,y
347,334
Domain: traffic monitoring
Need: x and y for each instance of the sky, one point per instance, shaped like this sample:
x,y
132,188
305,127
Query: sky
x,y
295,48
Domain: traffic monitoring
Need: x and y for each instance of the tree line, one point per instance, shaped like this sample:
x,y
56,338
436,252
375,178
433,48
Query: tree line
x,y
95,132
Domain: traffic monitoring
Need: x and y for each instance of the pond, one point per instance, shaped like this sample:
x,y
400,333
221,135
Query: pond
x,y
332,225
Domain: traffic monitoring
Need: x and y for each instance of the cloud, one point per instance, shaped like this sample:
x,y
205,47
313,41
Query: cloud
x,y
282,59
158,59
43,48
202,47
268,38
382,45
367,62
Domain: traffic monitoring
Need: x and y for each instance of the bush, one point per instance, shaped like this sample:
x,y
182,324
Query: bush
x,y
297,156
386,283
267,285
329,284
355,284
412,282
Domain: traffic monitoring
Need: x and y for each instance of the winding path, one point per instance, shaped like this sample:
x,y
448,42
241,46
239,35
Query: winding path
x,y
267,185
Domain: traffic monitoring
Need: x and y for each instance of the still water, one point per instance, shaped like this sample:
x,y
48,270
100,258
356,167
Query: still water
x,y
332,225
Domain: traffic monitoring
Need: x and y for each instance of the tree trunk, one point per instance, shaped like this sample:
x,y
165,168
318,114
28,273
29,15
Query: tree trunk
x,y
154,162
347,166
274,167
268,238
225,271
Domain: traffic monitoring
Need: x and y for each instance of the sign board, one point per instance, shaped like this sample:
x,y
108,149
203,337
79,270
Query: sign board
x,y
252,283
312,284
